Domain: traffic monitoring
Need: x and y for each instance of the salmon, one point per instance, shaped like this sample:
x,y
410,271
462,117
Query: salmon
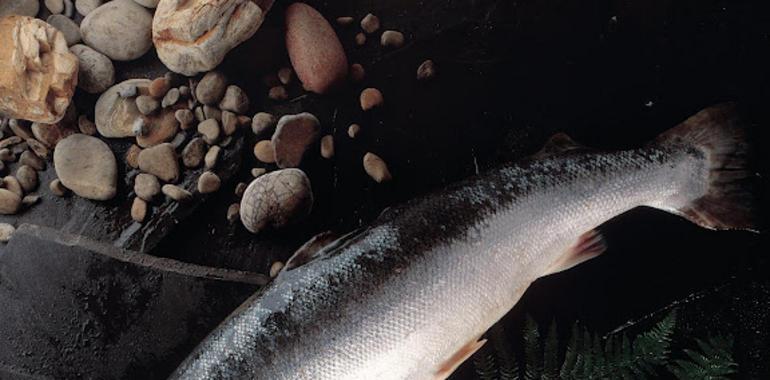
x,y
409,296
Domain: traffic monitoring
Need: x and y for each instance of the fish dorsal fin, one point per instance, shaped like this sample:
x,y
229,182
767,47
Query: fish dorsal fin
x,y
588,246
559,143
458,358
311,249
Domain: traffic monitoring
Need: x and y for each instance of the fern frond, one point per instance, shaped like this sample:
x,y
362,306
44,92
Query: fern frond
x,y
551,354
533,351
713,361
486,366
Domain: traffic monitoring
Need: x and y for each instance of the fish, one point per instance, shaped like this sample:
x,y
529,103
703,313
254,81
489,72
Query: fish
x,y
411,295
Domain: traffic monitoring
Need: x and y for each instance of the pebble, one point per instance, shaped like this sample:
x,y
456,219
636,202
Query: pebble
x,y
278,93
139,210
38,147
426,70
179,140
114,113
128,91
69,8
370,98
138,127
27,178
233,212
370,23
132,156
199,115
229,123
12,184
118,20
208,183
54,6
10,141
192,154
376,168
57,188
276,199
210,130
67,27
148,3
240,188
159,87
264,152
6,231
314,49
235,100
327,146
20,129
284,75
210,112
84,7
176,193
31,159
211,158
147,104
161,161
86,165
262,123
293,135
28,8
392,39
354,130
171,97
10,202
184,91
161,128
275,269
243,120
86,126
360,39
146,186
256,172
30,200
211,88
345,20
185,117
7,156
357,72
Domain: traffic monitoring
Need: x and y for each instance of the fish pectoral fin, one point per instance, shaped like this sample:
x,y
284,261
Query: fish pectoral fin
x,y
458,358
588,246
559,143
308,251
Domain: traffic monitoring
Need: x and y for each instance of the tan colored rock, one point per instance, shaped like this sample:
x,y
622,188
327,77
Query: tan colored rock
x,y
132,156
327,146
86,165
38,73
176,193
211,157
208,182
57,188
262,124
263,151
114,114
354,130
371,98
12,184
193,36
139,210
10,202
370,23
376,168
160,128
392,39
161,161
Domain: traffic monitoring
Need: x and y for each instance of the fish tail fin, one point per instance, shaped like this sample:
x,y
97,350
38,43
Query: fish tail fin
x,y
729,202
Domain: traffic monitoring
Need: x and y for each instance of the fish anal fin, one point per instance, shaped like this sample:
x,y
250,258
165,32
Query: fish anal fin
x,y
588,246
308,251
465,352
559,143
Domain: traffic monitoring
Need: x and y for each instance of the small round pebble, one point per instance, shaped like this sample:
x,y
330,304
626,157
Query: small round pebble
x,y
211,158
278,93
426,70
185,118
27,178
176,193
262,123
240,188
357,72
275,269
360,39
211,112
146,186
210,130
30,200
370,23
31,159
392,39
327,146
211,88
12,184
345,20
354,130
139,210
208,182
171,97
86,126
67,27
54,6
235,100
147,104
10,202
264,152
376,168
256,172
371,98
6,231
284,75
160,160
293,135
159,87
229,123
233,212
192,154
87,166
57,188
132,156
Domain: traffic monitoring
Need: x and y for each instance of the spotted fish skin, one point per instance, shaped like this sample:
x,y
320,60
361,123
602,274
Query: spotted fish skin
x,y
399,298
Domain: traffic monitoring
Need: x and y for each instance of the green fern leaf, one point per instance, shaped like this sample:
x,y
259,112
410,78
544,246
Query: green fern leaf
x,y
713,361
551,354
533,351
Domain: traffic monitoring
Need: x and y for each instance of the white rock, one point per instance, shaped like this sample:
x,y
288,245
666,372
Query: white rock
x,y
87,166
120,29
114,115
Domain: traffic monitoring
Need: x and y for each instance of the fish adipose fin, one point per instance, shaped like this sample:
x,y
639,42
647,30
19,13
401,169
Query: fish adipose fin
x,y
458,358
588,246
719,133
559,143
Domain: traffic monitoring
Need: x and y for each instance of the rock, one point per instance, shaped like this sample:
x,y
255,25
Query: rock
x,y
10,202
243,120
57,188
345,20
376,168
360,39
275,269
38,147
132,156
327,146
256,172
69,8
139,210
86,165
314,49
49,134
262,123
27,178
293,135
54,6
39,73
278,93
148,3
159,87
161,128
86,126
161,161
146,186
233,213
357,72
210,130
371,98
84,7
211,89
96,73
127,90
114,114
10,141
12,184
119,29
276,199
6,231
284,75
185,117
20,129
176,193
211,112
192,154
147,104
139,128
30,159
229,123
392,39
195,38
30,200
264,152
69,28
370,23
240,188
178,140
184,91
426,70
171,97
20,7
208,182
211,158
7,156
354,130
234,100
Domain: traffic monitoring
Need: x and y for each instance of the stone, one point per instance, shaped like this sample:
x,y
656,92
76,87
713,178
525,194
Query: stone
x,y
370,23
327,146
354,130
6,231
211,158
293,135
276,199
31,159
161,128
176,193
148,3
211,112
233,213
371,98
7,156
49,134
12,184
96,71
161,161
30,200
132,156
360,39
147,104
284,75
10,141
240,188
193,153
195,35
86,165
139,127
139,210
277,93
208,182
392,39
20,129
27,178
234,100
179,140
128,90
275,269
315,52
84,7
39,73
114,114
376,168
19,7
184,91
159,87
10,202
171,97
229,123
146,186
357,73
69,8
264,152
211,88
38,147
345,20
256,172
210,130
54,6
57,188
69,28
119,29
185,118
86,126
426,70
